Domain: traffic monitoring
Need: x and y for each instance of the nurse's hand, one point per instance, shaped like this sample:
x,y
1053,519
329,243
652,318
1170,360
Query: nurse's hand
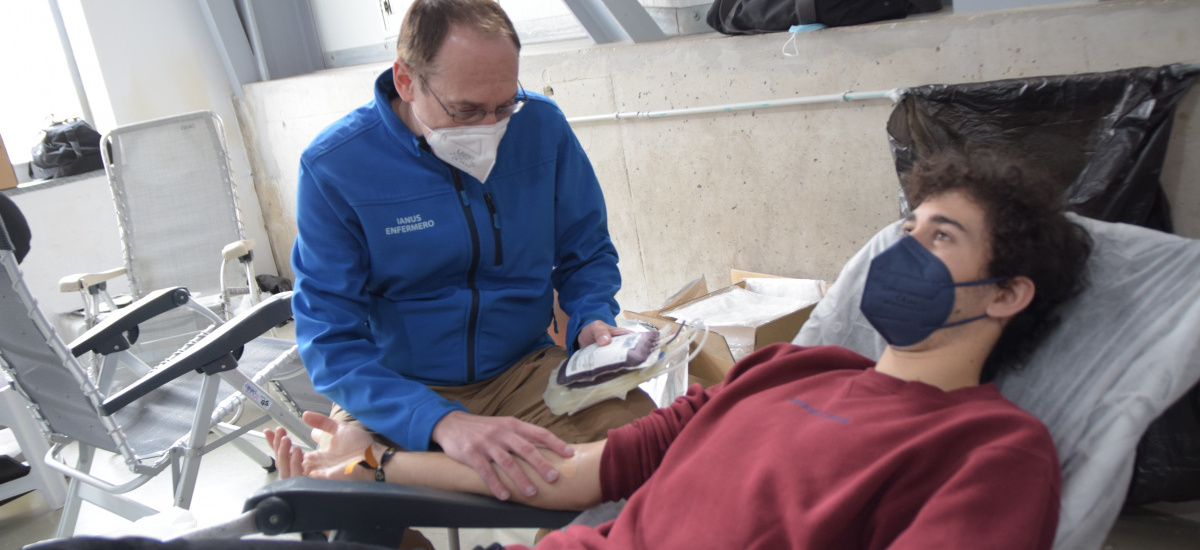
x,y
486,443
598,332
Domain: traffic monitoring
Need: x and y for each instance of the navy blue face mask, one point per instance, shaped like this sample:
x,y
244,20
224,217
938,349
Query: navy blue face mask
x,y
910,293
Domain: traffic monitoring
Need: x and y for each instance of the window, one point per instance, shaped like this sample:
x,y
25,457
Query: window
x,y
535,20
364,31
543,20
37,83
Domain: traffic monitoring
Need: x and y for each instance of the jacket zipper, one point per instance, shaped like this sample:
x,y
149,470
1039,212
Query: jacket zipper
x,y
487,197
473,316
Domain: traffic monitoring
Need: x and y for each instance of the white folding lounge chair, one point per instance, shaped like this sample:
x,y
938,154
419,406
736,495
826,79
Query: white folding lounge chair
x,y
177,209
161,420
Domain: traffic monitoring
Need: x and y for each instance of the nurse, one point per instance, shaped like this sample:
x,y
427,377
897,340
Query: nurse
x,y
435,225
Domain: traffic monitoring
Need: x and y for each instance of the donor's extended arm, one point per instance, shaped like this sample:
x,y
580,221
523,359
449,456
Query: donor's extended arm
x,y
343,448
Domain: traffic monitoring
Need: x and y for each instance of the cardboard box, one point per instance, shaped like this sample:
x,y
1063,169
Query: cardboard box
x,y
8,176
714,361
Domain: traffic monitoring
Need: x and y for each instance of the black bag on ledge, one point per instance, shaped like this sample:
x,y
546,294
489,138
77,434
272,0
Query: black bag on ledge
x,y
67,148
763,16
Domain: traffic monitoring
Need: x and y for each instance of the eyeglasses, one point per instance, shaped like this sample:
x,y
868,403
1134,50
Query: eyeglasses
x,y
475,115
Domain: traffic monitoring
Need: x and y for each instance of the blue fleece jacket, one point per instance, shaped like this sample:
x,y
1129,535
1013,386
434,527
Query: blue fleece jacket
x,y
411,273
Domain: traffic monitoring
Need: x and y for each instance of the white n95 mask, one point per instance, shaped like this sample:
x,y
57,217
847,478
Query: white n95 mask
x,y
471,149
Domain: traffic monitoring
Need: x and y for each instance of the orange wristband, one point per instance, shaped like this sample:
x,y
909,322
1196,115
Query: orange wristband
x,y
369,462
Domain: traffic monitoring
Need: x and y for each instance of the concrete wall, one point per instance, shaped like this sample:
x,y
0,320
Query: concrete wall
x,y
74,230
793,191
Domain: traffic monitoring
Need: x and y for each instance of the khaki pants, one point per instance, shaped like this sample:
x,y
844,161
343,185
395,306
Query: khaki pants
x,y
518,392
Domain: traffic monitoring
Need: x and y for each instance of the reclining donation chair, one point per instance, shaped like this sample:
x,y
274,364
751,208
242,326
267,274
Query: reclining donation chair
x,y
161,420
177,209
1126,349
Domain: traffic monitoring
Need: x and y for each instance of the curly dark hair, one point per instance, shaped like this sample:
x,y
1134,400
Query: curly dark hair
x,y
1023,208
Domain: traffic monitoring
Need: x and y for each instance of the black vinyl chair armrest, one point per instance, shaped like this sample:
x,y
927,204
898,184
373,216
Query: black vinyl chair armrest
x,y
213,353
236,333
109,336
371,509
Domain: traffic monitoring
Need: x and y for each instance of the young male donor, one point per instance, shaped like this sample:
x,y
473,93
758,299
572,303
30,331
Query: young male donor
x,y
816,448
435,224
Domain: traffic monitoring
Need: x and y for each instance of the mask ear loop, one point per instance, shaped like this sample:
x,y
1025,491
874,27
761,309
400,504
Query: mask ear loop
x,y
980,282
792,42
795,30
413,112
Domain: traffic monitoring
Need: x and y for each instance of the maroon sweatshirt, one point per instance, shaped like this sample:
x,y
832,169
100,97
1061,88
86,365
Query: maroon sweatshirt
x,y
811,448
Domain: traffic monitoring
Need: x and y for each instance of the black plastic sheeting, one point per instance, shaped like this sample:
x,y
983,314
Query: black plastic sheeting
x,y
1168,461
1104,135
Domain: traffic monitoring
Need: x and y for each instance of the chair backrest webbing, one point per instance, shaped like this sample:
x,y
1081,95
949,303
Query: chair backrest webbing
x,y
177,209
175,201
34,356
